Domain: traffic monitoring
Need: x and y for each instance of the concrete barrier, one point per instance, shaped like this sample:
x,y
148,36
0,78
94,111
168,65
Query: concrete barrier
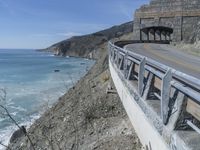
x,y
162,103
146,132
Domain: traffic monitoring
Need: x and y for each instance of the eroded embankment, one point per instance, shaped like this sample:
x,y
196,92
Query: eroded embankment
x,y
86,117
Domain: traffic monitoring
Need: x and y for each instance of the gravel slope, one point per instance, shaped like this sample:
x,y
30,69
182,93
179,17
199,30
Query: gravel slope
x,y
85,118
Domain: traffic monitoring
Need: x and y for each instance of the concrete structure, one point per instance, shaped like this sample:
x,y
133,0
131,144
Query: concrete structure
x,y
180,16
162,103
145,130
156,33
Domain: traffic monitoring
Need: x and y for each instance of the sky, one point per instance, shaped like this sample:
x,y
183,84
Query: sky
x,y
35,24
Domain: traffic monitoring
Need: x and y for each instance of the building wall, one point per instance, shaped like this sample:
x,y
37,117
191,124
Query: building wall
x,y
188,27
180,15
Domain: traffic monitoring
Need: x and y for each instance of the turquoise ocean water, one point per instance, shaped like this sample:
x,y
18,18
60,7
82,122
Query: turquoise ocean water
x,y
31,83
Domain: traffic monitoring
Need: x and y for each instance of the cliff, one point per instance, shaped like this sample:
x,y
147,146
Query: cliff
x,y
82,46
87,116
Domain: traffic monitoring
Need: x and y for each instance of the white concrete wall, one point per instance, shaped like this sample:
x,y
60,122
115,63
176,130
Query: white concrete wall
x,y
146,132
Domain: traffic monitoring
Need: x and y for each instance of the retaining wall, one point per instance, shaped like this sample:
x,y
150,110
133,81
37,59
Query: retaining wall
x,y
181,15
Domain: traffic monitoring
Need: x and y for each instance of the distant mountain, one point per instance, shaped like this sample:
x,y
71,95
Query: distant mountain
x,y
82,46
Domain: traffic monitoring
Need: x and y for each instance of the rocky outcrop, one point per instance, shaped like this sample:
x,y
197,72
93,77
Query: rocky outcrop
x,y
18,134
82,46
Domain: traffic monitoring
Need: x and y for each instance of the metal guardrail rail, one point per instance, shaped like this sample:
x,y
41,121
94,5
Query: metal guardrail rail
x,y
128,62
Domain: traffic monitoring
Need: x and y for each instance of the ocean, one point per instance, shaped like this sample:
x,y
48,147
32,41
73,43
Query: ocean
x,y
33,81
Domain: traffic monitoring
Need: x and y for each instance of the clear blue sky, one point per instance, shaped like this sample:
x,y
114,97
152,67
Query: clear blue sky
x,y
41,23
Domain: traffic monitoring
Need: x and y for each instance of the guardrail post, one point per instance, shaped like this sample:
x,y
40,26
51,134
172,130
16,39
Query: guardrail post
x,y
125,65
121,65
165,95
116,57
148,85
141,76
113,55
112,52
110,49
130,71
110,55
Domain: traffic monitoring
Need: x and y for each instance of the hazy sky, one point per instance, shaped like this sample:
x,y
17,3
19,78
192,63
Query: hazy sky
x,y
40,23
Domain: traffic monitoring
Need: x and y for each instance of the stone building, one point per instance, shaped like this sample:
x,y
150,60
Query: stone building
x,y
173,20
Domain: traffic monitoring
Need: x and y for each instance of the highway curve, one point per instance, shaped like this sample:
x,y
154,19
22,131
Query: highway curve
x,y
169,56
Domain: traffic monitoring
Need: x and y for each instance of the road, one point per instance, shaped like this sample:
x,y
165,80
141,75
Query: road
x,y
169,56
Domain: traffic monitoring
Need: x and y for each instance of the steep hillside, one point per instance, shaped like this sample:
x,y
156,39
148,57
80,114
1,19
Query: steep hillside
x,y
81,46
87,117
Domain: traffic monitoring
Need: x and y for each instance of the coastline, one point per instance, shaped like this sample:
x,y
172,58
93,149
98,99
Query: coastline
x,y
90,117
51,86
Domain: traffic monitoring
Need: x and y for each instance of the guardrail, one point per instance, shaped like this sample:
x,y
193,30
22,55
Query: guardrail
x,y
123,43
148,73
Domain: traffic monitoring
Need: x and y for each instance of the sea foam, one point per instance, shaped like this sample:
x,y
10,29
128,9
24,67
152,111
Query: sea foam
x,y
31,84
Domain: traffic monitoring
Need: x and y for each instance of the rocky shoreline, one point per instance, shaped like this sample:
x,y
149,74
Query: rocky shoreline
x,y
86,117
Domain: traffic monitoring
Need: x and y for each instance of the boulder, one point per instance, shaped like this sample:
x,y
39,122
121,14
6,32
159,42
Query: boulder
x,y
17,134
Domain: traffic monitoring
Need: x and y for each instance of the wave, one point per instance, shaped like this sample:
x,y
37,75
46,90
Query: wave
x,y
18,108
6,133
28,90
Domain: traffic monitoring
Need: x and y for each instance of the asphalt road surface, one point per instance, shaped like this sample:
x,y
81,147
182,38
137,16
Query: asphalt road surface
x,y
169,56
